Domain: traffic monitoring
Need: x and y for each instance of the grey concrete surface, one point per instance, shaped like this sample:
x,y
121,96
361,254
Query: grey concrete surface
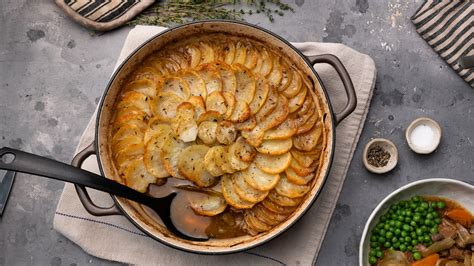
x,y
53,72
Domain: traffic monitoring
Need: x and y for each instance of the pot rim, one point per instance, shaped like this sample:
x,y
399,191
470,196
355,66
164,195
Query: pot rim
x,y
239,23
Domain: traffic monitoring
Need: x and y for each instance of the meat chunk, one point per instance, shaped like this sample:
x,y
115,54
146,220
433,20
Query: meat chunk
x,y
447,229
456,253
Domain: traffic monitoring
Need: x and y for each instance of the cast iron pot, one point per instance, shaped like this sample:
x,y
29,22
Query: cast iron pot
x,y
139,215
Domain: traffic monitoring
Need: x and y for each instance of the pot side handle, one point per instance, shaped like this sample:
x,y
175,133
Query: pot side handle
x,y
346,81
82,193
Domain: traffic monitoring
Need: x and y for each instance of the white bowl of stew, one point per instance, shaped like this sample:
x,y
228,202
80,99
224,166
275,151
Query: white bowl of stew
x,y
452,192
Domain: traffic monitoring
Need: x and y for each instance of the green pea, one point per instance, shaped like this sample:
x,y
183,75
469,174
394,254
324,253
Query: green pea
x,y
373,244
383,218
435,214
408,213
397,232
403,247
375,231
416,218
386,226
424,206
389,235
416,199
421,238
413,223
407,220
419,232
416,255
394,240
428,223
387,244
394,216
429,216
382,232
441,205
414,242
382,239
406,227
404,234
426,239
391,223
407,239
372,260
434,230
413,235
403,213
379,254
380,225
396,245
413,205
373,238
437,220
424,228
398,224
400,218
372,252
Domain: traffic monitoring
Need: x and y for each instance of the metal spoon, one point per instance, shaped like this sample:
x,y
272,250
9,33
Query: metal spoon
x,y
20,161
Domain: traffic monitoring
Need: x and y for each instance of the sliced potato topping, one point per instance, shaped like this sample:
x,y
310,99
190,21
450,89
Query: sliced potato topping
x,y
225,109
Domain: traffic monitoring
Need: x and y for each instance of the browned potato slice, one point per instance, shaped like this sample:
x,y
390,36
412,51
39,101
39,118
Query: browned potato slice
x,y
308,105
309,124
235,162
207,53
180,59
226,132
261,94
152,159
230,103
274,207
125,131
301,170
210,160
184,126
275,146
267,216
216,102
273,164
212,116
276,117
296,102
267,62
170,151
145,86
230,50
287,75
127,155
251,57
170,64
241,112
290,190
253,222
245,191
164,105
136,99
162,66
194,53
211,77
229,81
282,200
276,74
137,177
260,180
246,84
231,196
243,150
300,120
136,119
223,162
146,73
295,85
207,132
308,140
294,178
174,85
156,127
302,159
191,165
125,142
254,137
247,125
209,205
199,106
240,53
195,83
283,131
269,105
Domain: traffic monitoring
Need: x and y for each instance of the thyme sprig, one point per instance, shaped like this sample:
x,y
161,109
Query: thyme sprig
x,y
173,12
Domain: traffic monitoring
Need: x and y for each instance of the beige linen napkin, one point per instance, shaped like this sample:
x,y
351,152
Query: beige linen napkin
x,y
115,238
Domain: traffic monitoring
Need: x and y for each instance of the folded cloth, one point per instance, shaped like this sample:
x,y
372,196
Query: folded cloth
x,y
102,15
115,238
447,27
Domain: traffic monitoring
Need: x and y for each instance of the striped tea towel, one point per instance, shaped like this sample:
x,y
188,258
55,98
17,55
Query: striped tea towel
x,y
116,238
102,15
447,26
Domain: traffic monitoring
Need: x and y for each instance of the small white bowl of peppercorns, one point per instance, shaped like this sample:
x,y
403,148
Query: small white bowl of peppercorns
x,y
380,156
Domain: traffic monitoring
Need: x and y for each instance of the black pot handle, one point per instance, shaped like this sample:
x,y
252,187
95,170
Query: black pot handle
x,y
82,193
346,81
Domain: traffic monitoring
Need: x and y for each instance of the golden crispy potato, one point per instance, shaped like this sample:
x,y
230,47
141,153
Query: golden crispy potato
x,y
207,53
287,75
126,131
136,99
127,155
242,150
276,74
308,105
194,55
137,177
230,49
216,102
261,93
174,85
309,124
199,106
211,77
301,170
179,58
265,67
209,205
294,87
144,85
123,143
210,160
230,103
308,140
241,112
191,165
269,105
283,131
260,180
240,53
252,56
290,190
246,84
274,207
196,84
294,178
231,196
301,158
276,117
275,146
134,119
145,73
156,127
225,132
207,132
165,104
282,200
247,125
212,116
245,191
152,159
296,102
255,223
170,151
229,81
267,216
273,164
183,125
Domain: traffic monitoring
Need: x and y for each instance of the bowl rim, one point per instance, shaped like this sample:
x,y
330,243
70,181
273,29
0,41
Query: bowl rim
x,y
435,127
391,195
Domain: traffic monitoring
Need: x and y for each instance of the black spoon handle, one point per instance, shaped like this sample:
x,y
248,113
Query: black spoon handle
x,y
25,162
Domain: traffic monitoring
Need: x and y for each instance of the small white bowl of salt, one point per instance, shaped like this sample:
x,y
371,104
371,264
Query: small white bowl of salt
x,y
423,135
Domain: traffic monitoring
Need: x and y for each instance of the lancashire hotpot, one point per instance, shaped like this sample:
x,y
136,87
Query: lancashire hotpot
x,y
135,212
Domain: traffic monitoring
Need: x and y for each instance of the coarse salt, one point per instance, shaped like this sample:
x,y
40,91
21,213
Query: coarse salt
x,y
422,136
